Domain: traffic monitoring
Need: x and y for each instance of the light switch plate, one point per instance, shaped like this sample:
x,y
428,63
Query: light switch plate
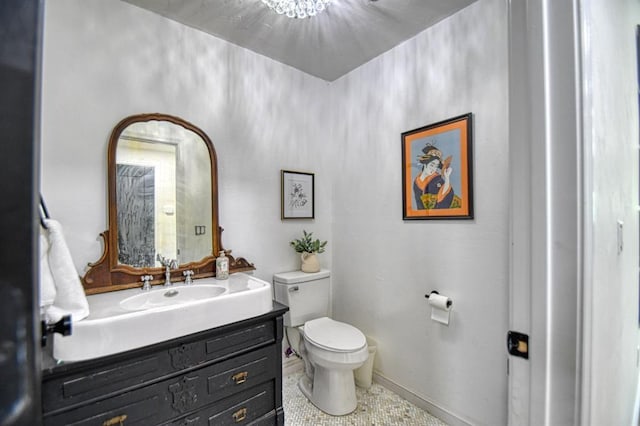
x,y
620,234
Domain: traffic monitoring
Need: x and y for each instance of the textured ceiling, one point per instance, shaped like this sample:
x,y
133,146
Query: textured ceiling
x,y
346,35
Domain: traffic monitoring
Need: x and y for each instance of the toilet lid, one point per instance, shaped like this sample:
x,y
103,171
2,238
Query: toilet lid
x,y
334,335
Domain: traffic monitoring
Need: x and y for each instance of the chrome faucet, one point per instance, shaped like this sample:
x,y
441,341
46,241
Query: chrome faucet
x,y
146,284
168,265
187,277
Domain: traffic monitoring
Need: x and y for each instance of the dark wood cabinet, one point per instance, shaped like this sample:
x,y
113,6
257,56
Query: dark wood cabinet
x,y
227,375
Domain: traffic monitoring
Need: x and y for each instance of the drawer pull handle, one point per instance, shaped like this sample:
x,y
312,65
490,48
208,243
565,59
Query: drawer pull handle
x,y
240,378
117,420
240,415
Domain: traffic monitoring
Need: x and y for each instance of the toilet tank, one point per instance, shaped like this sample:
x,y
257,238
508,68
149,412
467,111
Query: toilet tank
x,y
306,294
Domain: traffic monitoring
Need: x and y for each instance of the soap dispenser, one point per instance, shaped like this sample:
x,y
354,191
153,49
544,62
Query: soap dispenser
x,y
222,266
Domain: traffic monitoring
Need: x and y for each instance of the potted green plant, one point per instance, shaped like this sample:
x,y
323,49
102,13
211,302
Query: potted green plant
x,y
309,248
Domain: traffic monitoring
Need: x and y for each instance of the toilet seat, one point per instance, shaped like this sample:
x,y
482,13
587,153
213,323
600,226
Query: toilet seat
x,y
334,336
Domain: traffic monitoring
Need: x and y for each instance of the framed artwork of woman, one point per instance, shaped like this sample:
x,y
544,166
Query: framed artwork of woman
x,y
437,170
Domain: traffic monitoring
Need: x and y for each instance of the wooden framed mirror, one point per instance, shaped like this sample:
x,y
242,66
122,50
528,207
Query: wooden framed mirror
x,y
163,201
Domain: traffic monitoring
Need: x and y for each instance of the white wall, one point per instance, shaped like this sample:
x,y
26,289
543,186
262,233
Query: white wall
x,y
383,266
104,61
611,156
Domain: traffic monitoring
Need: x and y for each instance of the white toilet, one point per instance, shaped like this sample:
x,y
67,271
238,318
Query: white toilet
x,y
331,350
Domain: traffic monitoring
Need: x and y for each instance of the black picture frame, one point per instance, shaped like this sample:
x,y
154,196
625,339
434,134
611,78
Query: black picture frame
x,y
437,170
297,195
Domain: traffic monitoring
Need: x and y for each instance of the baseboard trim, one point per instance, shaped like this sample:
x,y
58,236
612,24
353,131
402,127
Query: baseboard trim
x,y
442,413
291,365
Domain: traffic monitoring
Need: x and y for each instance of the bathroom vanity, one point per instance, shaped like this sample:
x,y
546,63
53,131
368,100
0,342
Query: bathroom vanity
x,y
190,348
231,374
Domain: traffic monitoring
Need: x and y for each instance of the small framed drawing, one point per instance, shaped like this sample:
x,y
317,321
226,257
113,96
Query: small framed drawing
x,y
437,170
297,195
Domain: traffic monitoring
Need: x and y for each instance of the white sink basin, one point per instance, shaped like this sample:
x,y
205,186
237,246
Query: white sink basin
x,y
129,319
168,296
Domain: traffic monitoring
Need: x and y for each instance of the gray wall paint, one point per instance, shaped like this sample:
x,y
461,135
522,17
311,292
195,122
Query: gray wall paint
x,y
383,266
104,61
610,93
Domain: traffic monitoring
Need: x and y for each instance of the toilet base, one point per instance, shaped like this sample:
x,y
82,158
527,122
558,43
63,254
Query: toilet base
x,y
332,391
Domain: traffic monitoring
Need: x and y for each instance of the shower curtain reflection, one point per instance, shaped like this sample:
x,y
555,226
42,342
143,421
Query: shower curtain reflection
x,y
136,234
146,199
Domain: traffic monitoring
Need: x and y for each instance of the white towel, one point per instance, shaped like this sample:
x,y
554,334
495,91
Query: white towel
x,y
59,278
47,285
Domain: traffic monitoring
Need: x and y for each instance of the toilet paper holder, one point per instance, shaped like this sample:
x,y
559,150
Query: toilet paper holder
x,y
449,302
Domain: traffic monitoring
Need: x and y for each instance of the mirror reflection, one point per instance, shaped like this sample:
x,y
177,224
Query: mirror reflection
x,y
163,194
163,207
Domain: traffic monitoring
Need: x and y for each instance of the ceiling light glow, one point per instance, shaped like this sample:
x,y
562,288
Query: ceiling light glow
x,y
297,8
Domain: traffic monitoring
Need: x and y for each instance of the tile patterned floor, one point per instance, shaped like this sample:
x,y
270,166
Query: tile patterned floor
x,y
377,406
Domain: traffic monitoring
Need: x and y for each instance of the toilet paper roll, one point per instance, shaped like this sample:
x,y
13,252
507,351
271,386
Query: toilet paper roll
x,y
440,308
440,302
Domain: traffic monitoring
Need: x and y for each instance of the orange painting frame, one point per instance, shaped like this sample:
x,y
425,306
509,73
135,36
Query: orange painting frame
x,y
437,170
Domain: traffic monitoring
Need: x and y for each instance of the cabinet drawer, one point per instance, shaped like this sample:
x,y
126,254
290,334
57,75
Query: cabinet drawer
x,y
247,410
143,408
100,379
179,395
239,340
251,407
58,393
241,373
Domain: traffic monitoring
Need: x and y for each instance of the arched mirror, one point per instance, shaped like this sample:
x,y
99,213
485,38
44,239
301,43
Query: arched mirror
x,y
163,203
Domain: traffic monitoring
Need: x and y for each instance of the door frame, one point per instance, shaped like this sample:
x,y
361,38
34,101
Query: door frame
x,y
545,197
20,367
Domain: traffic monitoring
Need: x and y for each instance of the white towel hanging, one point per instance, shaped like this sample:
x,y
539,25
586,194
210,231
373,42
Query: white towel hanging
x,y
57,268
